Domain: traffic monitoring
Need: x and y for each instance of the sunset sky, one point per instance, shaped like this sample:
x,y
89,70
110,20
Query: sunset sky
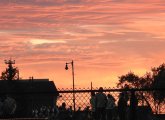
x,y
105,38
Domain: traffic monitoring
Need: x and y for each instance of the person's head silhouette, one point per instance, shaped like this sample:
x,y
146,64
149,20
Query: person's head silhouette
x,y
101,89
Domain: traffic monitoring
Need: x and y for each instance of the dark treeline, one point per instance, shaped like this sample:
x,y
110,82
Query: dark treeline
x,y
152,79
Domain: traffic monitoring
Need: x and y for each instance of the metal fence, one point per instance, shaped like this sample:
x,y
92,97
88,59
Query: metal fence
x,y
82,98
42,105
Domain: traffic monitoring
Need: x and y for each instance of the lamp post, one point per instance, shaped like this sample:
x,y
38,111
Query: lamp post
x,y
66,68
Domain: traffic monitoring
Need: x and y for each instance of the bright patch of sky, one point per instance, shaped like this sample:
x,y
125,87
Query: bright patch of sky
x,y
45,41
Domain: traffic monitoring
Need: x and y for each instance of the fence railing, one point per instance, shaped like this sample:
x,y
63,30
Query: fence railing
x,y
145,98
43,104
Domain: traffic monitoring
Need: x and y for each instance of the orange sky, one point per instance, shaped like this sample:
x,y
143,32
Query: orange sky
x,y
105,38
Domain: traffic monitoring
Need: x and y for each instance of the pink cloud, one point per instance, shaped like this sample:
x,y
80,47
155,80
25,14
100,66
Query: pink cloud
x,y
116,35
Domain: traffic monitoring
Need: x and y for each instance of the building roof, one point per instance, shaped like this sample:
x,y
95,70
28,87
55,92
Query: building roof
x,y
26,86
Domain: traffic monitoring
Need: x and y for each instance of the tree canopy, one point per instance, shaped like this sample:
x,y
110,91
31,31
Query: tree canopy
x,y
11,73
131,80
155,79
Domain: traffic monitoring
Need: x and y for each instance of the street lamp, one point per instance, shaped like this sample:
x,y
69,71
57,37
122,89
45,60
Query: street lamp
x,y
66,68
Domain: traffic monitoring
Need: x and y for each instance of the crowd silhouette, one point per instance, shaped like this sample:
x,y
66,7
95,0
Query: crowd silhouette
x,y
103,107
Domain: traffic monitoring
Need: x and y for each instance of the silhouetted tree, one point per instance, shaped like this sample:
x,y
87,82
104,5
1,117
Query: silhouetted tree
x,y
130,80
153,79
159,82
11,73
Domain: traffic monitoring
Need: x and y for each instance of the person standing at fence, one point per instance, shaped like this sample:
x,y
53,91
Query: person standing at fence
x,y
133,106
101,101
93,105
122,106
63,112
110,107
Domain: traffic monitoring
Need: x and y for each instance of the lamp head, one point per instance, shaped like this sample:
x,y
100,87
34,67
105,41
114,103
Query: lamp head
x,y
66,67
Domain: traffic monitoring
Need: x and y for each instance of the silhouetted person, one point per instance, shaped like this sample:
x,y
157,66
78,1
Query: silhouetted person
x,y
86,113
122,106
101,101
110,107
63,106
133,106
93,105
1,107
55,113
64,113
9,106
70,111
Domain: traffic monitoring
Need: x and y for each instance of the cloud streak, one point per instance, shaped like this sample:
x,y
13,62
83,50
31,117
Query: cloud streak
x,y
109,34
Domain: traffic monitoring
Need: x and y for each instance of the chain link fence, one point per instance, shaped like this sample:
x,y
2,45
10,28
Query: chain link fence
x,y
42,105
82,98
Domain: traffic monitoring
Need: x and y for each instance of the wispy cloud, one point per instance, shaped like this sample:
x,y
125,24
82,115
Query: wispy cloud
x,y
110,34
45,41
